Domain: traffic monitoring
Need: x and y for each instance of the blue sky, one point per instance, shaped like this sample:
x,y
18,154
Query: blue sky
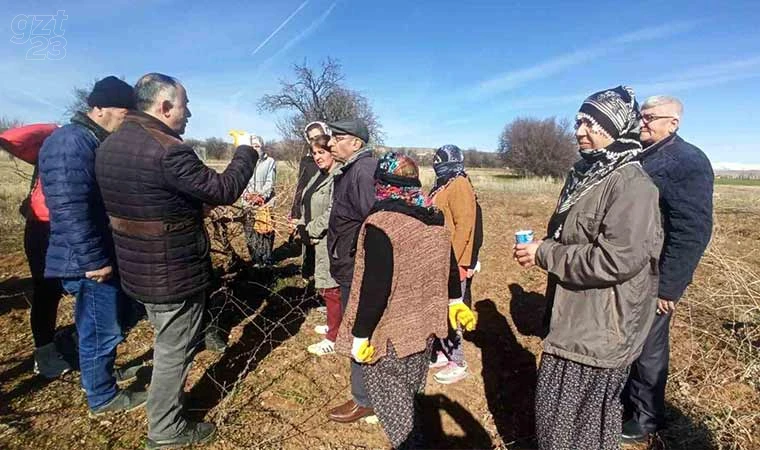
x,y
436,72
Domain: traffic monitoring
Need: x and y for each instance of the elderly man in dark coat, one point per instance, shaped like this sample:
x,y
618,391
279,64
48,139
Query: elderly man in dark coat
x,y
684,178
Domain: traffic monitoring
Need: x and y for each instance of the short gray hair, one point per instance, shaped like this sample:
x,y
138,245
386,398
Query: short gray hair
x,y
149,86
259,139
657,100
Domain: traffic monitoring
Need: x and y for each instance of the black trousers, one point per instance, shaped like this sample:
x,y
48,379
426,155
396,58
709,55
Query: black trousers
x,y
644,394
47,291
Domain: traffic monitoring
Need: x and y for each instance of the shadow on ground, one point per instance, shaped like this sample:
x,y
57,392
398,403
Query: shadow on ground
x,y
272,318
15,293
509,376
432,407
528,311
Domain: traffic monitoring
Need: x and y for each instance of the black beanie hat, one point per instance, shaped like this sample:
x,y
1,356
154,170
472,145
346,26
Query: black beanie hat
x,y
111,92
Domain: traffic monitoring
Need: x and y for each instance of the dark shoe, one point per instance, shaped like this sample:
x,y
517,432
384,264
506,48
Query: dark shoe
x,y
124,401
194,433
633,433
49,363
126,374
214,341
349,412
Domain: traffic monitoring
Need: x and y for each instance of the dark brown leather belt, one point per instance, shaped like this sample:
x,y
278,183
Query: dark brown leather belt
x,y
148,228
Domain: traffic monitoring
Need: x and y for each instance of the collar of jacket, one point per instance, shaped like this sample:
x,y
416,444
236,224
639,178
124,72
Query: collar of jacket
x,y
147,121
428,216
84,120
365,152
659,145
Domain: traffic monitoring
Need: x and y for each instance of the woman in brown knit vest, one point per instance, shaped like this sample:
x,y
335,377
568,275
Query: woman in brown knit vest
x,y
403,304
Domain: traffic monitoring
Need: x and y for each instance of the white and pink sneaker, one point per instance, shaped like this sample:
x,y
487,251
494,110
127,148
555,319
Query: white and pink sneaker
x,y
440,361
452,373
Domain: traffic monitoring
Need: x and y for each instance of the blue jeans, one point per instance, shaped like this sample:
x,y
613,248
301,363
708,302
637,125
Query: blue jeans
x,y
96,314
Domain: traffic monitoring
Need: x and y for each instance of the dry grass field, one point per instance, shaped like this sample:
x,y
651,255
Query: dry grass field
x,y
267,392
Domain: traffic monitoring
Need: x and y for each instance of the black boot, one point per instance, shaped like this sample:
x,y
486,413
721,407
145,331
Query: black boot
x,y
214,340
194,433
633,433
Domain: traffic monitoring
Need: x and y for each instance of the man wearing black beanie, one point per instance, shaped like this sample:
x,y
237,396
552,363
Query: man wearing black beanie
x,y
80,250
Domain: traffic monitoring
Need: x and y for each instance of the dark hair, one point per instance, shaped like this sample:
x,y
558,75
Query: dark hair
x,y
149,86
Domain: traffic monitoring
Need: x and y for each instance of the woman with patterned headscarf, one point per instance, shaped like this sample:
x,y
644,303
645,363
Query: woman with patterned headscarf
x,y
601,253
412,285
454,195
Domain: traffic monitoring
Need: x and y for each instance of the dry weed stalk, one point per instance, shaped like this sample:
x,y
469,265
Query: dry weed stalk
x,y
722,318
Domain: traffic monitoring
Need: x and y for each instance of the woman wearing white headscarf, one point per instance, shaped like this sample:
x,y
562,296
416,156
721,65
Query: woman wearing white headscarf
x,y
258,197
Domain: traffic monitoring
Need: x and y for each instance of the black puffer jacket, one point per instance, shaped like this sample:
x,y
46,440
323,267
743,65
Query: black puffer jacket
x,y
154,188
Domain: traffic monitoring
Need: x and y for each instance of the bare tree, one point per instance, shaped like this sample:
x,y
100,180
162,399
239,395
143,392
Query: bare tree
x,y
538,147
7,123
79,100
216,148
318,94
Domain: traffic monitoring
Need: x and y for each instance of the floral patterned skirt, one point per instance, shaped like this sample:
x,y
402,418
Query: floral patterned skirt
x,y
578,406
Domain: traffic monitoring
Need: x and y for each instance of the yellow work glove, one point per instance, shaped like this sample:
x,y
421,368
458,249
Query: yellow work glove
x,y
240,137
460,314
362,350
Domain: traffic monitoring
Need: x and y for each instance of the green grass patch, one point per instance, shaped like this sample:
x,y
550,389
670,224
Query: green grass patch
x,y
737,181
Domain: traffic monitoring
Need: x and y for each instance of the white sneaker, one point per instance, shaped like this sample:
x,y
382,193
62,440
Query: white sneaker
x,y
322,348
49,363
440,361
451,374
321,329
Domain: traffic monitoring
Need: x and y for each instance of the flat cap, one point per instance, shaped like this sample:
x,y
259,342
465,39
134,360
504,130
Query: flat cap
x,y
353,127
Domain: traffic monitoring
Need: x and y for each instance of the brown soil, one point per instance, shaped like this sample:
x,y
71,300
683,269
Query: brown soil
x,y
266,391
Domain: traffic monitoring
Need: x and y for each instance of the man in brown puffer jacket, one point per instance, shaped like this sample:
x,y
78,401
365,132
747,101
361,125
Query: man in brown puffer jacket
x,y
154,187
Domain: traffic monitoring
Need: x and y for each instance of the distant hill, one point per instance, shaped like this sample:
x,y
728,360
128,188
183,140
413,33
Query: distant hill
x,y
736,170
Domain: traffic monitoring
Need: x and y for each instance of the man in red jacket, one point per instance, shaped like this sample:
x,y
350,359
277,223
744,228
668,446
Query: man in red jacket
x,y
24,143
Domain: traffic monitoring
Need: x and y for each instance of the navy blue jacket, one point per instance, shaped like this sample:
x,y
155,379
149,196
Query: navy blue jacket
x,y
80,240
684,176
353,198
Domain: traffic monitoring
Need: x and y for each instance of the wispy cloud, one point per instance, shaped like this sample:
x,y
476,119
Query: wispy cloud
x,y
734,68
685,84
301,36
683,80
703,76
511,80
280,27
42,101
